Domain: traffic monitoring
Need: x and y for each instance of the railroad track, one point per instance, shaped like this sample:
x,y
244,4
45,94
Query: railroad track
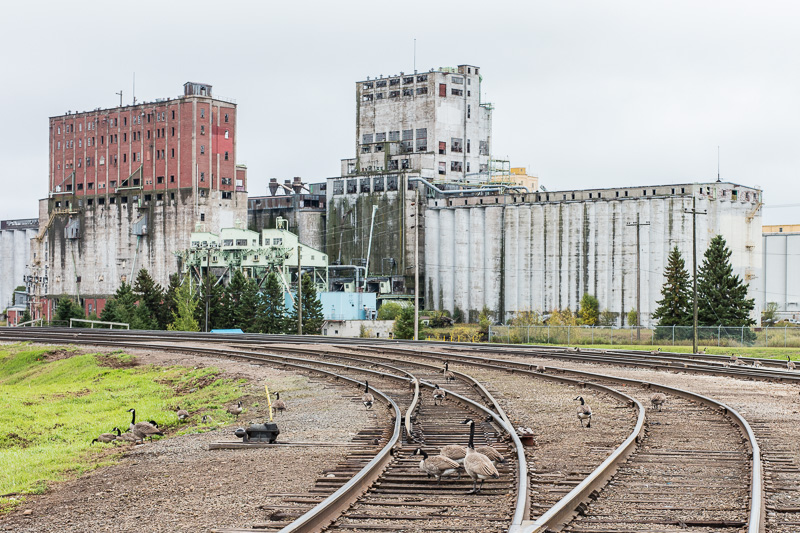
x,y
748,513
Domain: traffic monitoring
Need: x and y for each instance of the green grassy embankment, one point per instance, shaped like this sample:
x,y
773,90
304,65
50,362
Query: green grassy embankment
x,y
53,402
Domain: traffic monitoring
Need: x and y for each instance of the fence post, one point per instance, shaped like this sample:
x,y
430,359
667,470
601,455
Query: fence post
x,y
784,336
742,341
673,334
569,330
719,334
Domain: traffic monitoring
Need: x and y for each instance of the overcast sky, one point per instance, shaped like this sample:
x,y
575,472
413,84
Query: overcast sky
x,y
586,93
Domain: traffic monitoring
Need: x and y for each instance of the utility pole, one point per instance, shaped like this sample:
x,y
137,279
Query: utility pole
x,y
638,277
416,265
694,212
120,97
299,295
208,284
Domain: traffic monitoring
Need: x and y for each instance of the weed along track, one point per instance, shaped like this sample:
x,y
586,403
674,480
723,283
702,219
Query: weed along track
x,y
694,465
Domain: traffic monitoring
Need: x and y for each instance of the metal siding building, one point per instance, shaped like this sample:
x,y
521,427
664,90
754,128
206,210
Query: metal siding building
x,y
781,282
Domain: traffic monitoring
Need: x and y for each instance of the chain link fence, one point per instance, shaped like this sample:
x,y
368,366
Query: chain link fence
x,y
774,337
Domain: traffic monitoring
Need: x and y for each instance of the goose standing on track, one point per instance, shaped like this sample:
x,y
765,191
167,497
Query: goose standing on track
x,y
789,363
279,405
584,412
437,465
454,452
367,398
477,465
143,429
658,400
438,395
183,414
448,376
237,410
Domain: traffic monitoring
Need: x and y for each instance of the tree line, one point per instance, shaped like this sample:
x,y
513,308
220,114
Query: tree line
x,y
182,305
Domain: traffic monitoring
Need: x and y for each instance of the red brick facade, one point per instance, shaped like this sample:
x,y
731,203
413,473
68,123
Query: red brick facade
x,y
184,142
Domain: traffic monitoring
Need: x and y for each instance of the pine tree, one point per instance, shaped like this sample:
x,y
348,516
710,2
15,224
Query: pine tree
x,y
589,311
404,324
218,305
151,299
237,316
271,315
675,306
170,304
312,310
721,295
66,309
123,308
183,318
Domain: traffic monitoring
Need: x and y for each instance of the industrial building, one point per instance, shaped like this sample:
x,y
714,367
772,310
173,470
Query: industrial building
x,y
128,185
781,264
542,251
15,257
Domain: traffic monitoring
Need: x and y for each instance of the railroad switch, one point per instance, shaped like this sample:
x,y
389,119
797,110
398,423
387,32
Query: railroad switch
x,y
266,432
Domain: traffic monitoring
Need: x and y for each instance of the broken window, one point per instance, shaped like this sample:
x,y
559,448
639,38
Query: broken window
x,y
442,168
422,77
366,138
442,147
394,94
380,137
367,85
367,98
422,90
484,167
456,166
338,187
458,80
392,164
381,83
406,81
394,81
407,146
365,148
351,186
226,156
377,183
202,131
391,182
364,185
202,148
378,148
80,186
160,179
422,145
404,164
202,176
241,242
457,92
202,114
483,148
456,145
379,96
408,92
467,145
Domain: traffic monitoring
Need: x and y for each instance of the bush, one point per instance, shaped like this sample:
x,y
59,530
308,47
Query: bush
x,y
389,311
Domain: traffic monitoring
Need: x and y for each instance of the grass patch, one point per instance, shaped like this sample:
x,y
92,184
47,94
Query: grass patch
x,y
54,402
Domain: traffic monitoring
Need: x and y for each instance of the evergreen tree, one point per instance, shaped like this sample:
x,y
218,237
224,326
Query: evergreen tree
x,y
271,315
151,299
721,295
312,310
675,306
404,324
218,305
170,304
66,309
123,308
183,318
26,316
589,311
243,299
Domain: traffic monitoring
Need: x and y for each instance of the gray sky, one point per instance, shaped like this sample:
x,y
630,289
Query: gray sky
x,y
587,93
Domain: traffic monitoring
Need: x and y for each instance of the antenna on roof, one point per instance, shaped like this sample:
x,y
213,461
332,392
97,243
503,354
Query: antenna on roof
x,y
718,180
120,97
415,54
134,88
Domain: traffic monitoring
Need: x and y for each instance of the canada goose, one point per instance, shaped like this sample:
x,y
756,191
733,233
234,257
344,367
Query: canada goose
x,y
477,465
236,411
183,414
143,429
367,399
658,400
454,452
540,369
734,359
279,405
757,364
491,452
448,376
702,351
438,395
127,436
789,363
105,438
437,465
584,412
655,352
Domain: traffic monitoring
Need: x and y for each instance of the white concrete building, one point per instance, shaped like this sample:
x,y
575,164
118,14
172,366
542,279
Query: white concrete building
x,y
781,280
15,253
428,122
543,251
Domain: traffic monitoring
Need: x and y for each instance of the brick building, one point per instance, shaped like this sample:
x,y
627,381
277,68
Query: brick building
x,y
128,185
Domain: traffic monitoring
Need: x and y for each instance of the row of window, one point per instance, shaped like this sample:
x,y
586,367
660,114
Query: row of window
x,y
136,182
137,119
161,133
408,80
369,97
378,184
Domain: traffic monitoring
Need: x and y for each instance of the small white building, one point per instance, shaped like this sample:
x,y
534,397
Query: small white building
x,y
373,329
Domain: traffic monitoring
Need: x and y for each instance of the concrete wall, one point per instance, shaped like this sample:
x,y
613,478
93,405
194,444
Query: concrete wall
x,y
304,213
781,281
107,253
14,256
540,252
352,328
